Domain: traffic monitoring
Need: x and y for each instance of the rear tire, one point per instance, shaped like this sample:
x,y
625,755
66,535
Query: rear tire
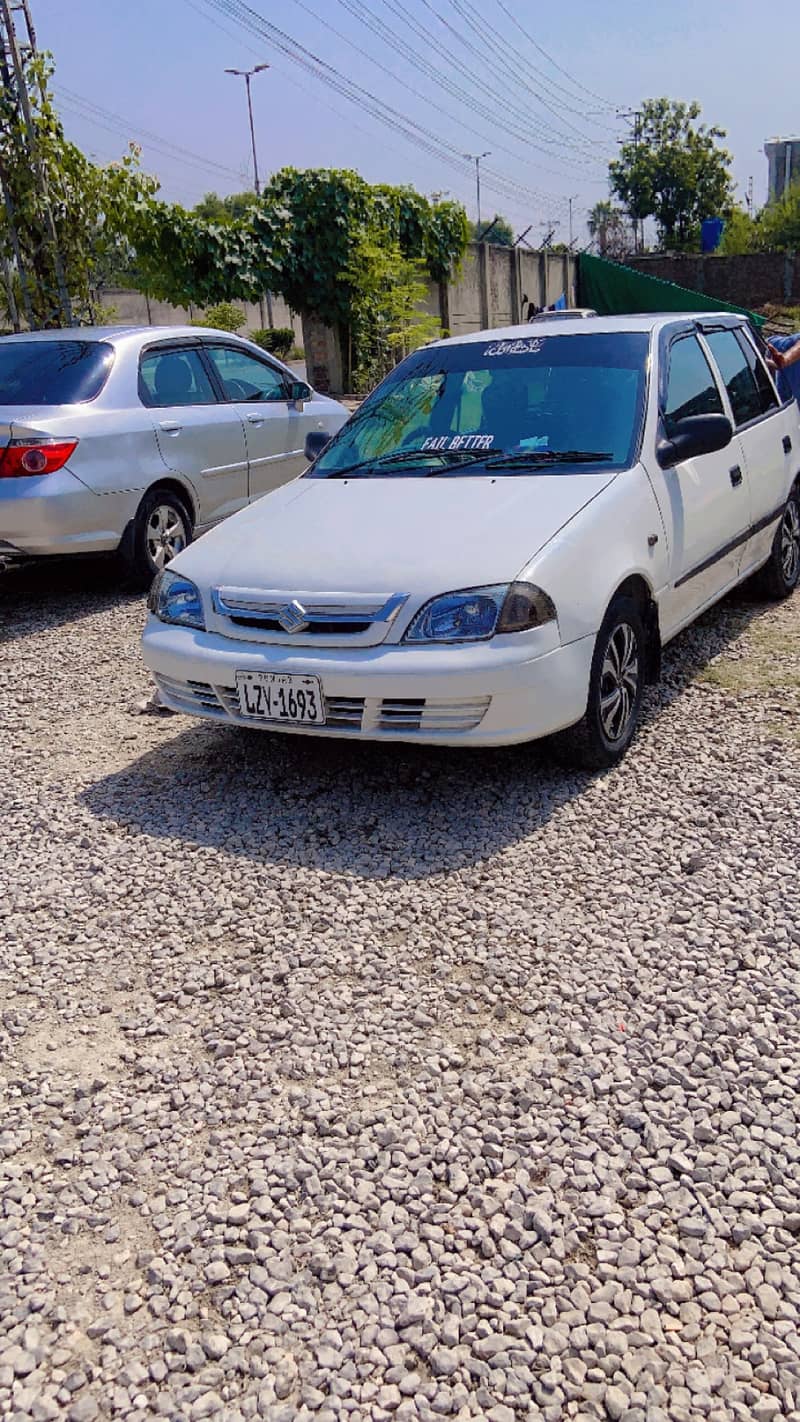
x,y
161,529
781,573
616,683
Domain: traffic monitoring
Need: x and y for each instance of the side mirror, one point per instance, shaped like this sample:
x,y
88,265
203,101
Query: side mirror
x,y
299,392
696,435
316,441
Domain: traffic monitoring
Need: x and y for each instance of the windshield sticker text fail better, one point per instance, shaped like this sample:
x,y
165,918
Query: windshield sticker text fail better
x,y
472,441
531,346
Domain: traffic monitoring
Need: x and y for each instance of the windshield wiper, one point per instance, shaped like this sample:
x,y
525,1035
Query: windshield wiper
x,y
548,456
412,456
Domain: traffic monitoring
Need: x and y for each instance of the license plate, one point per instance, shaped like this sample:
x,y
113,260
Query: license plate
x,y
277,696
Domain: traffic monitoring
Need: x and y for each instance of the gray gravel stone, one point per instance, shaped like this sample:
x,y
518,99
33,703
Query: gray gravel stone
x,y
356,1083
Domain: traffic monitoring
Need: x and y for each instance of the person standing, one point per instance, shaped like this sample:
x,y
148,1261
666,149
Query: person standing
x,y
784,354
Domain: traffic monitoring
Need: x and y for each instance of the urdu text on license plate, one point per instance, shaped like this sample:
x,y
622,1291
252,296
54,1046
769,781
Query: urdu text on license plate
x,y
277,696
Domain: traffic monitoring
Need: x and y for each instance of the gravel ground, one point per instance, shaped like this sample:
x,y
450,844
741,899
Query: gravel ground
x,y
344,1082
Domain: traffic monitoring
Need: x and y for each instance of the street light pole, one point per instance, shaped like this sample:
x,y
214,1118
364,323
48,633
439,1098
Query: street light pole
x,y
476,159
247,75
571,200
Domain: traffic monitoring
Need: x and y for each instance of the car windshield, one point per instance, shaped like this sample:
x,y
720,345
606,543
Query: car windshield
x,y
53,372
571,403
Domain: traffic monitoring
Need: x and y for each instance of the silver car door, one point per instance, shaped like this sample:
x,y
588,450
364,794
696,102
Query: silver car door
x,y
258,391
198,435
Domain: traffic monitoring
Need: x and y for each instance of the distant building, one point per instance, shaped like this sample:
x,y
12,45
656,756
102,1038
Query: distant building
x,y
783,156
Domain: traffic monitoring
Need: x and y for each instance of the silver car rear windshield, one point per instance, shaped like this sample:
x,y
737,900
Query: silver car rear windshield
x,y
566,402
53,372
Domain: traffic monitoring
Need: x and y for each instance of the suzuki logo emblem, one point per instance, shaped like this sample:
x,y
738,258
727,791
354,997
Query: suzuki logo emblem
x,y
292,617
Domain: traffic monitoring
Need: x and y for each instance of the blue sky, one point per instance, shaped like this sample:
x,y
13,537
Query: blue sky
x,y
156,67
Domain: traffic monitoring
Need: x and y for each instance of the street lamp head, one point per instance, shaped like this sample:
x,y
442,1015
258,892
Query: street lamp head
x,y
259,68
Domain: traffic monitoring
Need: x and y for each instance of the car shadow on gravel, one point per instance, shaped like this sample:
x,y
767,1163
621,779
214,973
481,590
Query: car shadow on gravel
x,y
40,596
364,808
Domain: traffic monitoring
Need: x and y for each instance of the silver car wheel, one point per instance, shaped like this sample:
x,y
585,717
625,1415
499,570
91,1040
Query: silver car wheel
x,y
790,543
165,535
619,681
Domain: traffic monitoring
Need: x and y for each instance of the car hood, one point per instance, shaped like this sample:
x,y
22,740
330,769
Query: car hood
x,y
409,535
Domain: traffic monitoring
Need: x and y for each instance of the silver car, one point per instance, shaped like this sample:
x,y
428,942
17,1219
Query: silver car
x,y
138,439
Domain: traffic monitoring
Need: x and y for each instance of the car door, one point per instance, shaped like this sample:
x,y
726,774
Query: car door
x,y
259,392
765,430
198,436
704,501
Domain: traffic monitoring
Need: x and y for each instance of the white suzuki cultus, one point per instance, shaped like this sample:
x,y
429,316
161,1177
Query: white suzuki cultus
x,y
497,544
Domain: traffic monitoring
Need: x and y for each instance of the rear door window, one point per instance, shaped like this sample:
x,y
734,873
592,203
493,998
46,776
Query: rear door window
x,y
740,382
691,387
175,376
53,372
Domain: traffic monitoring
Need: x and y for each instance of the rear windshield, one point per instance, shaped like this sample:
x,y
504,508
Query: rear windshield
x,y
53,372
574,402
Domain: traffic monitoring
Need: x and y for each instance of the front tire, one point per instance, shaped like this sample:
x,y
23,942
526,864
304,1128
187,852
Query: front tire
x,y
616,684
161,529
781,573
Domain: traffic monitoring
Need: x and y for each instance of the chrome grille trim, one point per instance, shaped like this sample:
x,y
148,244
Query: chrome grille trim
x,y
357,618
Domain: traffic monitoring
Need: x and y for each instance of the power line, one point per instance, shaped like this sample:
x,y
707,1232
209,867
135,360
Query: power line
x,y
541,50
114,122
392,73
415,133
509,63
520,123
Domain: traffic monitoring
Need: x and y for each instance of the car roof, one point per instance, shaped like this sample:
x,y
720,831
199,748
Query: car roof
x,y
117,333
595,325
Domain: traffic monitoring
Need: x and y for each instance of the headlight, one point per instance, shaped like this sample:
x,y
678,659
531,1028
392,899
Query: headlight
x,y
475,614
175,599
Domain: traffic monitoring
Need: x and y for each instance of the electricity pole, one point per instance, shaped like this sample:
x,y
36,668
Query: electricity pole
x,y
247,75
634,116
16,50
476,159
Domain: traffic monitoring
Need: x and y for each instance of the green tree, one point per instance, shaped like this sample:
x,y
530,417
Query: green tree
x,y
741,233
606,226
499,231
674,171
225,316
213,208
779,222
388,320
71,217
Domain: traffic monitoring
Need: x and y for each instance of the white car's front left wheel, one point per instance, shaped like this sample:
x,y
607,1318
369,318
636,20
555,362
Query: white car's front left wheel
x,y
616,685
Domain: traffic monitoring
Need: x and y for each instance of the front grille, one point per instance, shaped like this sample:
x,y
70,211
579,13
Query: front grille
x,y
289,618
400,715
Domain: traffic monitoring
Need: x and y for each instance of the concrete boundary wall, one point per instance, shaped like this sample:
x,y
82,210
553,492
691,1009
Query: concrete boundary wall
x,y
753,279
141,310
497,286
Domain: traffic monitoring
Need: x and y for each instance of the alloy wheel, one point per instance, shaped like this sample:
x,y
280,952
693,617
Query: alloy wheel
x,y
165,535
619,681
790,543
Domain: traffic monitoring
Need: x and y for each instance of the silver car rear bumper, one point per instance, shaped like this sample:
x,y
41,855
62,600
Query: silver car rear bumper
x,y
56,513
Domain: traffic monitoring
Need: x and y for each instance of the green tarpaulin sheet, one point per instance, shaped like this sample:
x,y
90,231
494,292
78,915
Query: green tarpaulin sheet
x,y
613,290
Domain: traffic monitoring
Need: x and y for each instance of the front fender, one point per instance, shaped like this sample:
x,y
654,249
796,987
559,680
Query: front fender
x,y
617,536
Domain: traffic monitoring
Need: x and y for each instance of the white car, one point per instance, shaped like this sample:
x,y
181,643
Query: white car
x,y
137,438
498,543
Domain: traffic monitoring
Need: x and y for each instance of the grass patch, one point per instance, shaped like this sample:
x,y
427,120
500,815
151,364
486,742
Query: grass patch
x,y
767,659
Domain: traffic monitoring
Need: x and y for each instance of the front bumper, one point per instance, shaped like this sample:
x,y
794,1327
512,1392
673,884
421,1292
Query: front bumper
x,y
55,513
484,694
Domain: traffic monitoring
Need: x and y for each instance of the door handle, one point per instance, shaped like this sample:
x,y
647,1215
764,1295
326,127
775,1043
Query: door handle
x,y
171,426
255,419
736,476
787,444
